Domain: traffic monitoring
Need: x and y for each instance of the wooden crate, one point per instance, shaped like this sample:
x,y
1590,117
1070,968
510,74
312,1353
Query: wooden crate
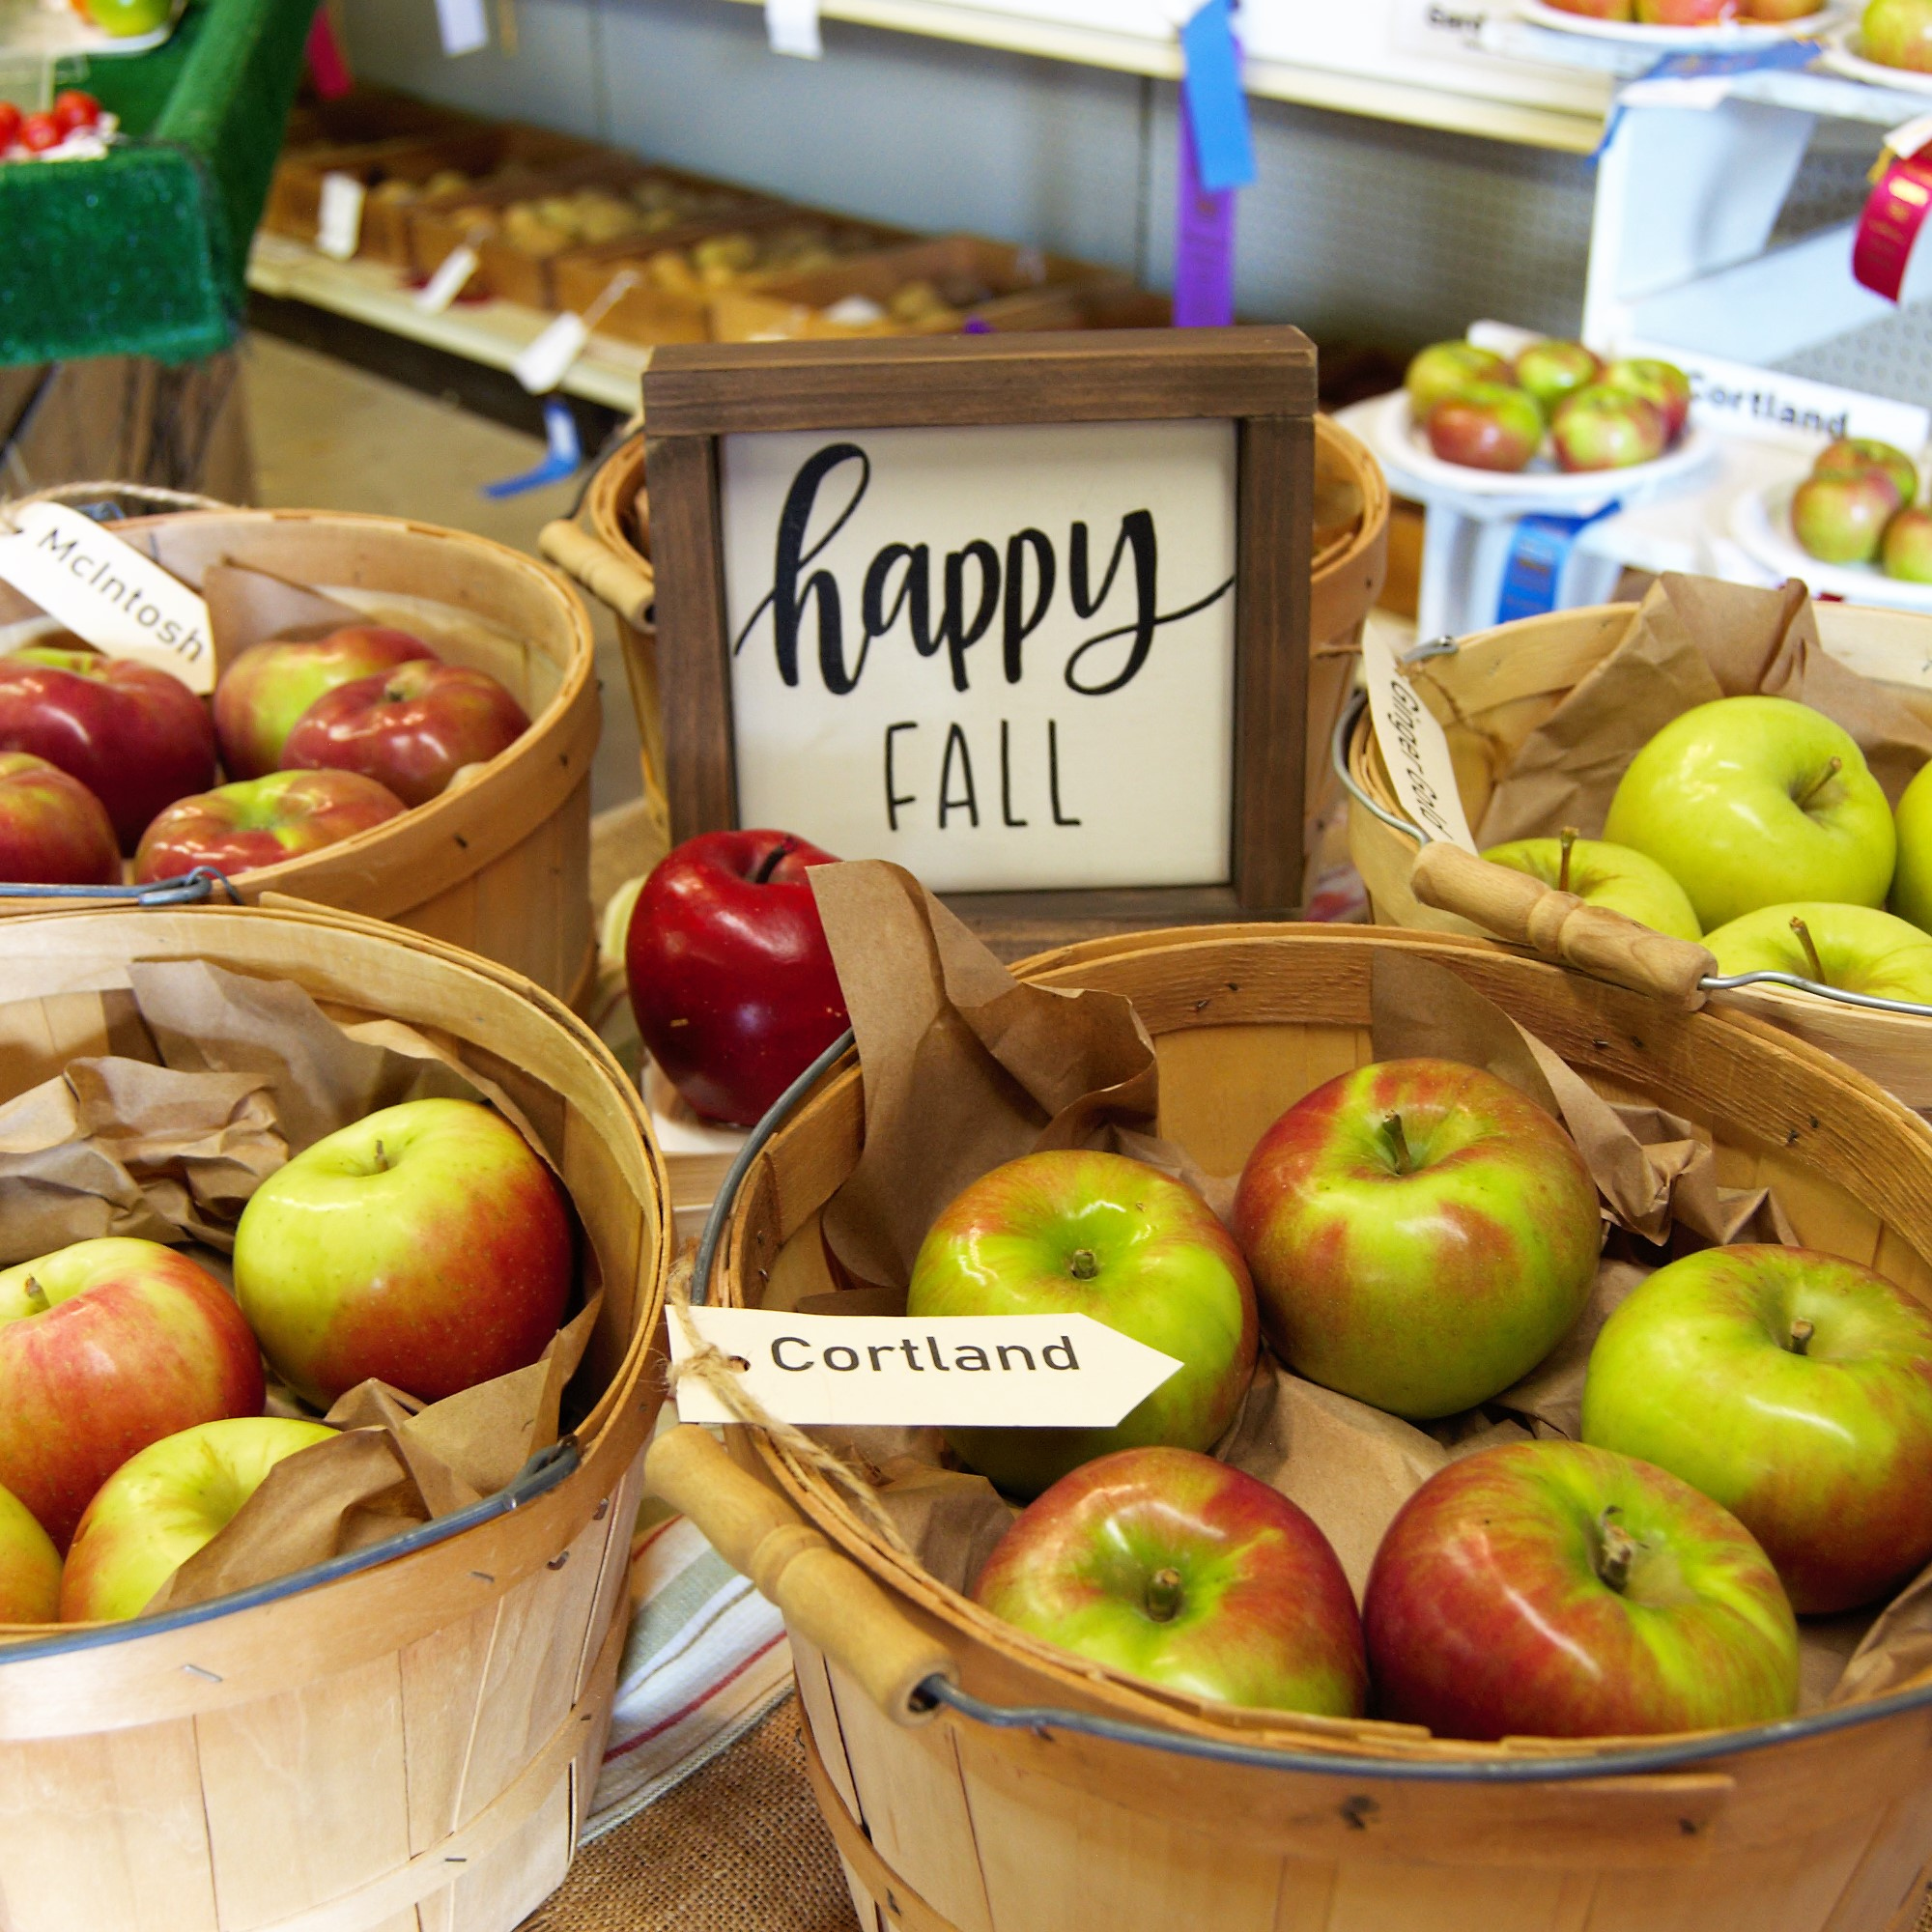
x,y
949,1825
411,1747
501,865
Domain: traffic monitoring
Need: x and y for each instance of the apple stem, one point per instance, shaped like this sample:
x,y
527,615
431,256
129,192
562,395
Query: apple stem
x,y
1083,1265
1165,1594
1810,947
382,1158
1832,767
37,1296
1568,837
1397,1143
772,860
1801,1332
1618,1552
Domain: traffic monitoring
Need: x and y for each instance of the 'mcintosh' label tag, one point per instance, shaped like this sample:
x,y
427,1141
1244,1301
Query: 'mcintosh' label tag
x,y
107,592
960,1371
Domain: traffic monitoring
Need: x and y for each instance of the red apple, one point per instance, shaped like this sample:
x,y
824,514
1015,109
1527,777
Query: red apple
x,y
1907,553
1898,33
730,978
163,1505
1421,1234
1795,1389
136,737
1551,369
10,124
264,691
74,111
1606,428
1782,9
52,829
1488,426
1843,519
1072,1232
1173,1567
1445,369
1662,384
261,822
1686,13
41,132
1595,9
1856,455
1546,1589
412,728
426,1245
30,1566
106,1347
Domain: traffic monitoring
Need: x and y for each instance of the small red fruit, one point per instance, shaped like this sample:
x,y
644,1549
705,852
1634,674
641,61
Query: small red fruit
x,y
41,132
10,124
74,110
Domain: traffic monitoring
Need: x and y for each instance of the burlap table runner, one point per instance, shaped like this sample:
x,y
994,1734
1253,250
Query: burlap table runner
x,y
737,1847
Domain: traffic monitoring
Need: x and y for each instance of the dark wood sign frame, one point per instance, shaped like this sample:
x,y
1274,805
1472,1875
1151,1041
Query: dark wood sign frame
x,y
1262,379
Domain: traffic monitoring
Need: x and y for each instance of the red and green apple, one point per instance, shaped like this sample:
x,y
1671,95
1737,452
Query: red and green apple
x,y
53,831
30,1566
1445,369
1486,426
262,821
1603,427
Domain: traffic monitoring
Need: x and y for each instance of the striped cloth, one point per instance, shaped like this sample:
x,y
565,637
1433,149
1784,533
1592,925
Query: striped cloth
x,y
705,1659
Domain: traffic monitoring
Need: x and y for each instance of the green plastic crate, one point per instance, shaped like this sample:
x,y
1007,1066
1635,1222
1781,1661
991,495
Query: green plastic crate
x,y
143,251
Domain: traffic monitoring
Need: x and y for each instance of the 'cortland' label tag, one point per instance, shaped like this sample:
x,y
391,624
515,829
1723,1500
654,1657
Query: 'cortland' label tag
x,y
338,227
959,1372
107,591
1413,747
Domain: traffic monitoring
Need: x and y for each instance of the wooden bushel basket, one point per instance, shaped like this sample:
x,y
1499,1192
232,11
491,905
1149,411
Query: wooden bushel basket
x,y
499,866
980,1781
405,1739
1493,689
612,559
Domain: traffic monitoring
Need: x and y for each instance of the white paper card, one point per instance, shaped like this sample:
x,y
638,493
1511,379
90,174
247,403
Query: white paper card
x,y
107,591
1001,657
338,232
1413,747
792,28
959,1372
547,361
463,26
1907,140
1439,30
444,286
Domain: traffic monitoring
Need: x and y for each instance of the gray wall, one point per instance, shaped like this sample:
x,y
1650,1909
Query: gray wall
x,y
1358,230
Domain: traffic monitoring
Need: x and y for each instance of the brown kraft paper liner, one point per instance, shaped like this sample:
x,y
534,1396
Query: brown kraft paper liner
x,y
955,1084
1692,639
216,1078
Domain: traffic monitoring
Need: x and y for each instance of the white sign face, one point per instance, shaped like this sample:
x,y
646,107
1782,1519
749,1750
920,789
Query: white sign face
x,y
1001,657
965,1371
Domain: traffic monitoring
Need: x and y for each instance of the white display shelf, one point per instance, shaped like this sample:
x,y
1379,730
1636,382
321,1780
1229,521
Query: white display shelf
x,y
492,332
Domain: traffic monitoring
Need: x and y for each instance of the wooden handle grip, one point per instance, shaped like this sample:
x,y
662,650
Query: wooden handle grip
x,y
628,584
1560,925
824,1595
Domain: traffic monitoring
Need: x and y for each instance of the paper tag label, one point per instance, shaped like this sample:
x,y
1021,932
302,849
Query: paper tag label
x,y
107,592
1413,747
792,28
444,286
338,232
1907,140
547,361
1440,30
463,26
959,1372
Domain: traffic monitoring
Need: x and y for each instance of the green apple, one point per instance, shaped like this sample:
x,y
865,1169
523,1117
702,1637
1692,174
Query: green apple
x,y
1912,881
1747,802
161,1506
1613,876
1857,948
1795,1388
124,18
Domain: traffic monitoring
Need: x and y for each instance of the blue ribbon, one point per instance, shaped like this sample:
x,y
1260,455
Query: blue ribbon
x,y
565,456
1224,150
1787,56
1533,570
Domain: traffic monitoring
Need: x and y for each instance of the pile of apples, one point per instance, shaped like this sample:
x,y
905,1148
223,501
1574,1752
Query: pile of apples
x,y
1486,412
320,740
1898,33
1754,824
73,116
1418,1234
1691,12
1860,505
426,1247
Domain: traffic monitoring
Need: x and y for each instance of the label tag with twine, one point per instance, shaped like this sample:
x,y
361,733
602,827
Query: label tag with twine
x,y
1413,747
960,1371
108,594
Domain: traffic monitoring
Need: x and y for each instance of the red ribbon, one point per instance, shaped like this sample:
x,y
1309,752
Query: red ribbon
x,y
1889,225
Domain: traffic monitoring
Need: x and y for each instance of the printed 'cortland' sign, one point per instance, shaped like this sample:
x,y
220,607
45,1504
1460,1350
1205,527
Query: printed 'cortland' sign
x,y
1003,657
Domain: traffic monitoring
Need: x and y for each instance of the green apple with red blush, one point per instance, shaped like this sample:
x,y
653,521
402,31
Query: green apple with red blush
x,y
262,821
1076,1231
30,1566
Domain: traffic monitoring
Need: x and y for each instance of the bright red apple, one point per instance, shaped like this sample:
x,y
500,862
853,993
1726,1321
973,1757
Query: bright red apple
x,y
1546,1589
731,981
1795,1389
1486,426
106,1347
75,111
1606,428
1073,1231
1421,1234
426,1245
30,1566
1662,384
261,822
1171,1566
264,693
135,737
53,831
412,729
